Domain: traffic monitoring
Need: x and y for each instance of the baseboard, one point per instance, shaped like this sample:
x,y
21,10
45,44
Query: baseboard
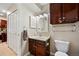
x,y
52,54
27,54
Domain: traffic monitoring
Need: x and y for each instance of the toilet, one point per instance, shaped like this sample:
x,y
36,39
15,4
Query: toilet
x,y
62,48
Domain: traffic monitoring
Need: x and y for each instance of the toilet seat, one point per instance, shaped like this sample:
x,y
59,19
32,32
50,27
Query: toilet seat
x,y
59,53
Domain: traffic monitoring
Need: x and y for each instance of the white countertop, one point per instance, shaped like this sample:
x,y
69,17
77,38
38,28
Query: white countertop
x,y
42,38
2,32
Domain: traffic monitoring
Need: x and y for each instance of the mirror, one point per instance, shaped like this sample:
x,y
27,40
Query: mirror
x,y
40,22
32,22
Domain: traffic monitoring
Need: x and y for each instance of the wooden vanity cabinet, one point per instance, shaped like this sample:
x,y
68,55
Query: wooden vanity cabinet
x,y
61,13
32,46
39,48
3,24
4,37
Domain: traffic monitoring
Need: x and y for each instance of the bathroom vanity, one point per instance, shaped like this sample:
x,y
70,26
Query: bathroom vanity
x,y
39,46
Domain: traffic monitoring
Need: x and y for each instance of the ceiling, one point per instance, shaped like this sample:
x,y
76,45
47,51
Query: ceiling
x,y
4,8
32,7
37,7
40,5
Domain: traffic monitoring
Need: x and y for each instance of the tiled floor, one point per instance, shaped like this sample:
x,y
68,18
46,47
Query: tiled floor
x,y
5,51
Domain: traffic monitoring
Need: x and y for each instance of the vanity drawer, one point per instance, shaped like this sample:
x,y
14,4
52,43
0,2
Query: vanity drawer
x,y
38,42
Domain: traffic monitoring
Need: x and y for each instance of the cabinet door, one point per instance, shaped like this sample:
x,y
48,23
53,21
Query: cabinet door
x,y
3,23
32,46
4,37
40,48
55,13
64,13
0,24
70,12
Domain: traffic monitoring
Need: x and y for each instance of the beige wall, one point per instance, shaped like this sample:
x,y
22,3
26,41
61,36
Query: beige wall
x,y
72,37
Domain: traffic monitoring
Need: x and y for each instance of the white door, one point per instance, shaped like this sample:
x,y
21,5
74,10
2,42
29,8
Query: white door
x,y
13,35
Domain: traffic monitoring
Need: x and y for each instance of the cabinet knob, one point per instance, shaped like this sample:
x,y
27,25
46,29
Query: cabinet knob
x,y
76,17
47,44
64,17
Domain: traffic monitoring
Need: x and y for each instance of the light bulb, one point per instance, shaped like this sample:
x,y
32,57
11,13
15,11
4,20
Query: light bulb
x,y
4,11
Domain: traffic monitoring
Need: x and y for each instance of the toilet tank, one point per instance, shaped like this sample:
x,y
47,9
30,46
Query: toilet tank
x,y
62,46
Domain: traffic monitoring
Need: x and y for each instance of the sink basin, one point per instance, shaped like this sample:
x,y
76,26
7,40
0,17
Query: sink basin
x,y
44,38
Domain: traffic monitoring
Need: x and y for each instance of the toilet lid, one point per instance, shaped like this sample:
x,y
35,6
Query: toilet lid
x,y
59,53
